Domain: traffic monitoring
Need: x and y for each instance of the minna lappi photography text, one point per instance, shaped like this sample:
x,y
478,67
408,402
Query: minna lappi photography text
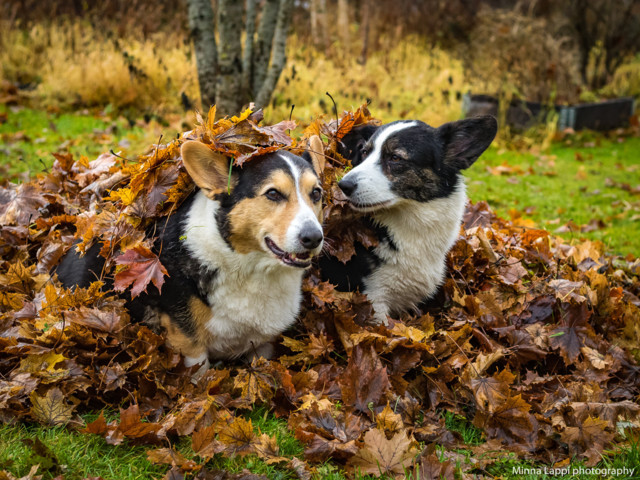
x,y
623,472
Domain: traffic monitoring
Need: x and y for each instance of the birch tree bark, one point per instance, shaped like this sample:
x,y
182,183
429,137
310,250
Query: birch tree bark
x,y
319,33
323,25
203,35
313,18
343,22
230,96
364,31
279,54
229,75
262,48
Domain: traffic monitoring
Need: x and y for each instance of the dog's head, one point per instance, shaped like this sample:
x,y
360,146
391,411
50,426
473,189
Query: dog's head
x,y
413,161
272,204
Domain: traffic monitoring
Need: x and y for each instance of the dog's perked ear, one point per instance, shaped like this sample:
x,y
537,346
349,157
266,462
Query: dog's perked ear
x,y
208,169
465,140
351,145
315,154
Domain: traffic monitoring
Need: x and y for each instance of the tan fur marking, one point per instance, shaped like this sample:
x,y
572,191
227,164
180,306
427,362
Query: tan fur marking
x,y
190,347
177,340
200,314
307,183
254,218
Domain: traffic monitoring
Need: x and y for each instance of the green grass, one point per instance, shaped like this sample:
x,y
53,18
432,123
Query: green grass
x,y
457,423
78,456
29,137
575,183
81,455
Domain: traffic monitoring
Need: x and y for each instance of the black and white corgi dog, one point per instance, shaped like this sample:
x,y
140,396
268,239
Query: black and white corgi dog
x,y
407,181
235,260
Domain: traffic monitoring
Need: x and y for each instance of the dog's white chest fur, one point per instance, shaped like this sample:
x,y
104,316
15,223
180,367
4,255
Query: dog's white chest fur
x,y
253,297
423,234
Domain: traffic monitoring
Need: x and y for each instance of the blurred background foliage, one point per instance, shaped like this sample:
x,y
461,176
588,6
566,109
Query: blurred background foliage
x,y
412,58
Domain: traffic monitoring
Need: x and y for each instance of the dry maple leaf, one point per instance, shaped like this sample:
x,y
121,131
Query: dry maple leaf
x,y
98,426
131,426
431,468
490,393
364,382
588,435
509,421
380,456
170,457
267,448
238,437
100,319
141,267
255,382
20,204
203,441
389,421
52,408
569,337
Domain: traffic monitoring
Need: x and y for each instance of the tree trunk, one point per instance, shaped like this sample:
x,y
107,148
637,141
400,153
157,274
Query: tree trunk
x,y
364,31
204,44
313,17
228,76
247,57
262,48
321,35
230,98
343,22
279,54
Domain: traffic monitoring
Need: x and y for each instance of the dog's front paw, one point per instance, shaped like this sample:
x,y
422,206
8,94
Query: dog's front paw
x,y
380,315
202,359
265,350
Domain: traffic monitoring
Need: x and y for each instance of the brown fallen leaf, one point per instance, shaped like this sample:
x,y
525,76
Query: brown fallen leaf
x,y
380,456
51,409
364,382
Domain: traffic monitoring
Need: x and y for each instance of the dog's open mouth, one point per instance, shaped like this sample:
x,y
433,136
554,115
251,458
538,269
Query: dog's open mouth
x,y
300,260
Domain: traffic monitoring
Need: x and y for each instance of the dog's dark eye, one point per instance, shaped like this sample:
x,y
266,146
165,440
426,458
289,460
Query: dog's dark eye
x,y
274,195
364,151
316,195
395,158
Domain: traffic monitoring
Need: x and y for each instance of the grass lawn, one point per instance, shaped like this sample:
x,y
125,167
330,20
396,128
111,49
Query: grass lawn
x,y
28,138
80,455
579,189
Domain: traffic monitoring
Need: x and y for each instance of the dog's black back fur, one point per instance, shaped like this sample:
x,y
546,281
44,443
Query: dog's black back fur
x,y
186,276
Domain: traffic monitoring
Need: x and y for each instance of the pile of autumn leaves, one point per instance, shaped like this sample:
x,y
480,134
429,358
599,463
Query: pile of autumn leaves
x,y
532,339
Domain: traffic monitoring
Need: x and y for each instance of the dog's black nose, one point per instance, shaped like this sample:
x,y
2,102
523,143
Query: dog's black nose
x,y
347,186
310,237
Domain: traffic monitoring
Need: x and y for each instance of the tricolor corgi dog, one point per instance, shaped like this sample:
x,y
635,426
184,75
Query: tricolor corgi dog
x,y
407,181
235,259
